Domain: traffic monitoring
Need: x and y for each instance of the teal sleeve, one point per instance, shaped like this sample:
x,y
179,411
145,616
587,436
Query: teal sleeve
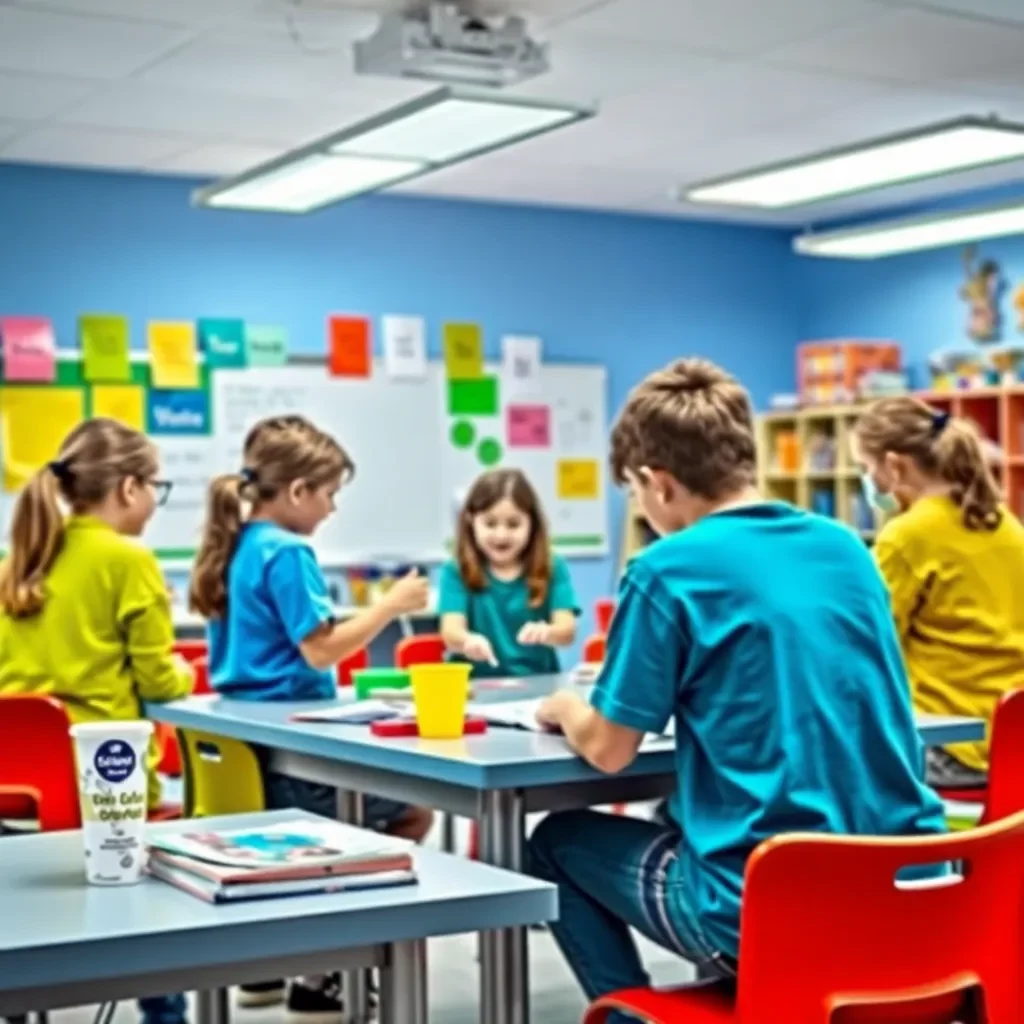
x,y
639,683
563,594
452,597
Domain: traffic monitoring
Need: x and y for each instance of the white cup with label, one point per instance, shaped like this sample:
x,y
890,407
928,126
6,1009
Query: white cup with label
x,y
112,789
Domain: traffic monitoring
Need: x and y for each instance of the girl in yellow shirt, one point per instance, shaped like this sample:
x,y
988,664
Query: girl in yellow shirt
x,y
953,558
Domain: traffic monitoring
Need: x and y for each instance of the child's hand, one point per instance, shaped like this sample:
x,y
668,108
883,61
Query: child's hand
x,y
478,648
535,633
410,594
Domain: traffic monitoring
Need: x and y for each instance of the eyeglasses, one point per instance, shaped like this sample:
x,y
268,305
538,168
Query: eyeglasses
x,y
162,489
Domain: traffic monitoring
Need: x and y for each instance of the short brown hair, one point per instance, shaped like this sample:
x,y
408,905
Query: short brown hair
x,y
693,420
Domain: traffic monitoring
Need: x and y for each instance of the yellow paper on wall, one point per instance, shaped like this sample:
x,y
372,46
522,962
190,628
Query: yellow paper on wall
x,y
172,351
34,423
463,351
125,403
578,479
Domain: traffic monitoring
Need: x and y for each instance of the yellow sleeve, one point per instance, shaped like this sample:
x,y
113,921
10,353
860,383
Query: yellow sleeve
x,y
144,614
905,589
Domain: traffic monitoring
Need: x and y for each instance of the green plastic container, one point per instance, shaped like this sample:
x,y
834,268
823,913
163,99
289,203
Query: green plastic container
x,y
366,680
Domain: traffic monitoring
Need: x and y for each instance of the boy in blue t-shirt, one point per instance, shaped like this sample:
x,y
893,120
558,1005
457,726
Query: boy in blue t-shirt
x,y
765,633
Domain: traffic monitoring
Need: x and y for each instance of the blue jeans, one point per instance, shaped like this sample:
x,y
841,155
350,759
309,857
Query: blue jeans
x,y
613,873
163,1009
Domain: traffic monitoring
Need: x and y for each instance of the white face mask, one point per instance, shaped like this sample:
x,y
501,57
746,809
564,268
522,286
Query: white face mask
x,y
883,501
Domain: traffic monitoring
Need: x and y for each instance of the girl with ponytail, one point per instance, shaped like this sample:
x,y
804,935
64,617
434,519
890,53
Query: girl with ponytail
x,y
953,558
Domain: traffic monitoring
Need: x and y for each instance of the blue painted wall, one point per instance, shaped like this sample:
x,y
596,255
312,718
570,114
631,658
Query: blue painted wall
x,y
631,293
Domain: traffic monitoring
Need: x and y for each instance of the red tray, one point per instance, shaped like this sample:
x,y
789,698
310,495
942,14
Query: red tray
x,y
392,728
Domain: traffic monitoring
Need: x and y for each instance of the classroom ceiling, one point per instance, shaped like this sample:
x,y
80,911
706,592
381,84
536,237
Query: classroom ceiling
x,y
688,89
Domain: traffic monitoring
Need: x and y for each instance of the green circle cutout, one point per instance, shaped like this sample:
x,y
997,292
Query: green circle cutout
x,y
463,434
488,451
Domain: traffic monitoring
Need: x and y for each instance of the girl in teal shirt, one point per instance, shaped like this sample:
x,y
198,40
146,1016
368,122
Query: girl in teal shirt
x,y
506,601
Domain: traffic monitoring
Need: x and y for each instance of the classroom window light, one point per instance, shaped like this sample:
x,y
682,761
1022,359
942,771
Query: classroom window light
x,y
929,152
912,234
436,130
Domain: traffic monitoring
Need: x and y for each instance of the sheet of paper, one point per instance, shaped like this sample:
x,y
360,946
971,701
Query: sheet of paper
x,y
405,347
514,714
473,397
29,348
463,351
223,341
358,712
104,339
521,362
172,351
125,403
578,479
528,426
349,346
34,423
178,412
266,345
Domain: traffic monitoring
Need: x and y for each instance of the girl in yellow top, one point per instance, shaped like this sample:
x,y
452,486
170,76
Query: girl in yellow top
x,y
954,560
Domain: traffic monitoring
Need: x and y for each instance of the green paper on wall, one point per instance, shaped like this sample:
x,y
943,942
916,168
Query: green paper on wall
x,y
477,397
104,340
223,341
266,345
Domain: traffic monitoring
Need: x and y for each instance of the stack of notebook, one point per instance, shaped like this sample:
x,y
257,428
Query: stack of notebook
x,y
286,859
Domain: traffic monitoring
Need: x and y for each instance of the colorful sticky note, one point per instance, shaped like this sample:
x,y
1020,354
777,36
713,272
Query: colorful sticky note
x,y
179,412
105,341
29,348
266,345
349,347
405,347
223,341
34,423
488,451
125,403
473,397
528,426
463,351
172,350
578,479
463,434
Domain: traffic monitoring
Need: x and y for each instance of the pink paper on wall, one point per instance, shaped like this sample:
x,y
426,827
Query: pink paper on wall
x,y
529,426
29,348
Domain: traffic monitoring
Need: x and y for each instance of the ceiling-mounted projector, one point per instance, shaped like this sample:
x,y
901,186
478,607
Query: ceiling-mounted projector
x,y
444,44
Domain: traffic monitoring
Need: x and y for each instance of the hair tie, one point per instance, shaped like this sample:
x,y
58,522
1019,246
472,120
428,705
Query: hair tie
x,y
60,469
248,475
939,422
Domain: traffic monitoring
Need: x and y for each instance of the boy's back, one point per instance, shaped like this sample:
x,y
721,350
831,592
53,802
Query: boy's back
x,y
790,697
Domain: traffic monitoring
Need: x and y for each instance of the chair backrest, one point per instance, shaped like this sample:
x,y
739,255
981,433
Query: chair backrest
x,y
604,609
594,648
37,759
190,650
222,776
1006,759
353,663
828,934
422,649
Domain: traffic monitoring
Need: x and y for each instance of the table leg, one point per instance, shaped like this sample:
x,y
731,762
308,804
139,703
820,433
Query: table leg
x,y
403,984
355,984
448,832
504,968
212,1006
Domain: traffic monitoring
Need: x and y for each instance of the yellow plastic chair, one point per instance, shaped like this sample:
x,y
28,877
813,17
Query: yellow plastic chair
x,y
222,776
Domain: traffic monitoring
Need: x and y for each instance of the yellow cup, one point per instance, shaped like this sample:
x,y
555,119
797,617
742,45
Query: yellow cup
x,y
440,693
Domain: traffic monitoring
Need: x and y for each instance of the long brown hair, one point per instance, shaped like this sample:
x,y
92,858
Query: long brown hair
x,y
94,458
485,493
277,452
943,446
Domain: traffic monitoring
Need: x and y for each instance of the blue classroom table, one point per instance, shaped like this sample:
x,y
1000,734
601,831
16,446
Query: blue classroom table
x,y
66,943
497,778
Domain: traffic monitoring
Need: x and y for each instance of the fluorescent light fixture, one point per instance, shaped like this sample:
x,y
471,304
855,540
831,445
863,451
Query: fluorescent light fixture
x,y
880,163
911,234
441,128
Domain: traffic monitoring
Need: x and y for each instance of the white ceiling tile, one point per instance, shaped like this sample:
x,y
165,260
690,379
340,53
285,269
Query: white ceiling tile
x,y
79,147
9,130
193,13
722,26
31,97
42,42
1001,10
217,159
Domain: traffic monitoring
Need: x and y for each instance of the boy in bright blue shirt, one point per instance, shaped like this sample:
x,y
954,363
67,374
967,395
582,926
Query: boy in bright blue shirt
x,y
765,634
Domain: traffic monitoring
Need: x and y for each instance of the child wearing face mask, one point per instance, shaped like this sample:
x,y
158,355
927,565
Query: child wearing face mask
x,y
953,559
506,601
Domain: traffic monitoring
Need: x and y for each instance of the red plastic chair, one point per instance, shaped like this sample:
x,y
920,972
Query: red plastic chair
x,y
604,609
353,663
594,649
191,650
201,667
421,649
1005,792
827,937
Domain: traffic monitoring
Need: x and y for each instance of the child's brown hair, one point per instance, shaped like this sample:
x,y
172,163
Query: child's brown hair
x,y
692,420
485,493
942,446
277,452
94,458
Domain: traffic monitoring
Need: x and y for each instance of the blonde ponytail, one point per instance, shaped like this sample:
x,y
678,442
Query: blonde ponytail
x,y
208,591
962,464
37,532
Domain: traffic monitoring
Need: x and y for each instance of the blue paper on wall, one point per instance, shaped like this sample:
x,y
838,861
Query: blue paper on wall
x,y
179,412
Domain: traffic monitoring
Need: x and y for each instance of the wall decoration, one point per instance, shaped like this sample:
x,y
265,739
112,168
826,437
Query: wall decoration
x,y
981,290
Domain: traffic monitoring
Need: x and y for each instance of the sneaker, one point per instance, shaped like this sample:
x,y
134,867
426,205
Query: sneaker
x,y
317,1005
261,993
